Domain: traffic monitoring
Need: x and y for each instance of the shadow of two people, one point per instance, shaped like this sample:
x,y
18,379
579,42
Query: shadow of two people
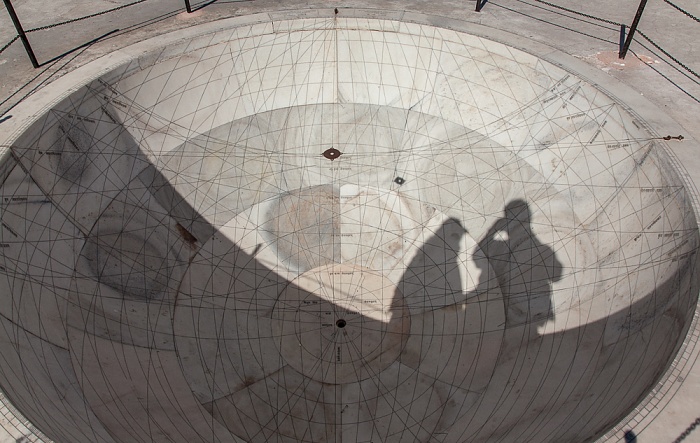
x,y
523,266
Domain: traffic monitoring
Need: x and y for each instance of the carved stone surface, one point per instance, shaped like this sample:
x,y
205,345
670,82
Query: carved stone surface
x,y
347,229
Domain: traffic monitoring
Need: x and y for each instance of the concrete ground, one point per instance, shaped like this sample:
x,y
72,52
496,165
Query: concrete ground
x,y
647,71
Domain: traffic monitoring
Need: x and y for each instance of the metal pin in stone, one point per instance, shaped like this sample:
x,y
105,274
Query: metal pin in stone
x,y
331,154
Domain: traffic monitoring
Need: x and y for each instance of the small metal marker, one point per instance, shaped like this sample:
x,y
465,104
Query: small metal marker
x,y
331,154
399,180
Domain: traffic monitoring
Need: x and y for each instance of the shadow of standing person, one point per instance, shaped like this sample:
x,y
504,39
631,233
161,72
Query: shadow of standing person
x,y
432,278
456,321
525,268
518,270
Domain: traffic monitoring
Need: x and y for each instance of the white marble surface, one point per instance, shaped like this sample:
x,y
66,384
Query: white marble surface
x,y
179,230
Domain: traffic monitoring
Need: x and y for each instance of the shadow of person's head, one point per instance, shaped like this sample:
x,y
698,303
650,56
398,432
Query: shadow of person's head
x,y
517,210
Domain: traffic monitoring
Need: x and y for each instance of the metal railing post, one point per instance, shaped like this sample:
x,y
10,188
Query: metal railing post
x,y
188,6
623,29
628,40
20,32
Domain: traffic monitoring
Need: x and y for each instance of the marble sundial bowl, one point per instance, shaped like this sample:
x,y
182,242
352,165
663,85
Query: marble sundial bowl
x,y
337,230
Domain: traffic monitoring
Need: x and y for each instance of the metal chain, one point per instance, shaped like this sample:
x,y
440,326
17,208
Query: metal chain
x,y
580,13
687,432
683,11
42,28
668,55
666,77
8,44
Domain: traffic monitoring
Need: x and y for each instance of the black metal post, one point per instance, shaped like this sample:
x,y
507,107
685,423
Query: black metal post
x,y
21,33
478,5
633,28
623,28
188,6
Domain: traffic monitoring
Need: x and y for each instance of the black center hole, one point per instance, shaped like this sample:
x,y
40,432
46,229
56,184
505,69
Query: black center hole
x,y
340,323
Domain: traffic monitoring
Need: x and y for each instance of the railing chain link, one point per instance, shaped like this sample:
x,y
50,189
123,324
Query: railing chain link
x,y
683,11
9,43
42,28
592,17
688,430
680,63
